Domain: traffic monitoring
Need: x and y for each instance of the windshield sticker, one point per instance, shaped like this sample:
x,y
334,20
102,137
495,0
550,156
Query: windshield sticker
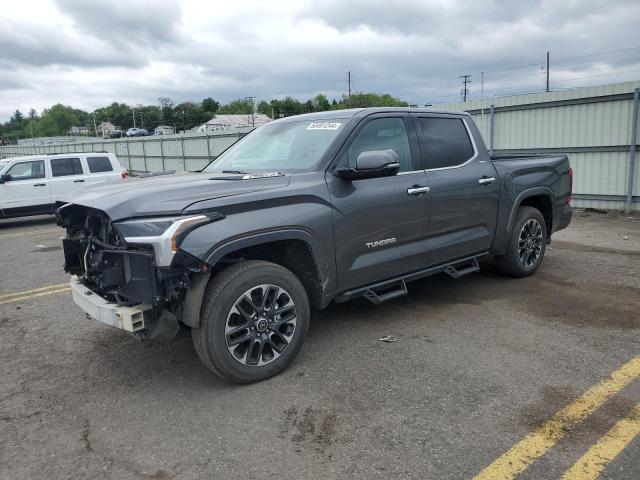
x,y
324,126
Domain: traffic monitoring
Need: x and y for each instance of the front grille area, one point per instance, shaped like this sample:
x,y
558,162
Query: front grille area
x,y
95,252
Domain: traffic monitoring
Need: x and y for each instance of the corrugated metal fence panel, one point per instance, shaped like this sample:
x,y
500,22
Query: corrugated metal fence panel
x,y
151,154
597,119
599,173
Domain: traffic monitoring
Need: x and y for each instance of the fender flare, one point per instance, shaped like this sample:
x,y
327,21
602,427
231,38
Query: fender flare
x,y
256,238
529,192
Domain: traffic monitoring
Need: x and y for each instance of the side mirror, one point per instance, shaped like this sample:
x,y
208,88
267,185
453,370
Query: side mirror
x,y
5,178
371,164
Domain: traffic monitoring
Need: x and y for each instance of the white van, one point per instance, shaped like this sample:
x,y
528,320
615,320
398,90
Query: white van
x,y
31,185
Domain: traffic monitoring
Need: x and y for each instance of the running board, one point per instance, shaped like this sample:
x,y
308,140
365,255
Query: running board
x,y
455,271
397,287
385,293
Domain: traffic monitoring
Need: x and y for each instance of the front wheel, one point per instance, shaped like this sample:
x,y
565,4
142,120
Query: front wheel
x,y
254,319
526,244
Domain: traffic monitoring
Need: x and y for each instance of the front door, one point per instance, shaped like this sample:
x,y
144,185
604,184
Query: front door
x,y
27,190
380,224
464,187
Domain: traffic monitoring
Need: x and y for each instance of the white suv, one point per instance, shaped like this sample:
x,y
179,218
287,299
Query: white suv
x,y
31,185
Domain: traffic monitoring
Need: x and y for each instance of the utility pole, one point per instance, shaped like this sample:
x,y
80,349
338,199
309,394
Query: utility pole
x,y
133,112
547,71
251,100
465,81
95,129
349,86
482,84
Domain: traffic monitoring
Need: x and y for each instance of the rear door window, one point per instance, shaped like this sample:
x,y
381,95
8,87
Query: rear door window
x,y
63,167
26,170
99,164
444,142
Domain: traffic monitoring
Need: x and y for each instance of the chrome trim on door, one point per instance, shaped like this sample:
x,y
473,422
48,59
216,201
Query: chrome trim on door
x,y
418,190
484,181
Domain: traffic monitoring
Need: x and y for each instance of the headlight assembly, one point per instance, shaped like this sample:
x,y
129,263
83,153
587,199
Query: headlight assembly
x,y
164,233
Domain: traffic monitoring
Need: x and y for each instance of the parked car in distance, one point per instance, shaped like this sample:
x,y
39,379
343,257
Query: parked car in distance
x,y
116,134
31,185
137,132
301,212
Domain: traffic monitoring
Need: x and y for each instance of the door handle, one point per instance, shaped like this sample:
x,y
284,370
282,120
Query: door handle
x,y
486,181
39,184
78,181
417,190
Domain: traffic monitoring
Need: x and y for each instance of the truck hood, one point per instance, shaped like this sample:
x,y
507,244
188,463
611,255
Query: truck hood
x,y
170,194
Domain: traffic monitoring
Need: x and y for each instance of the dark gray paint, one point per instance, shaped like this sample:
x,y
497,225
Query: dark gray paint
x,y
336,218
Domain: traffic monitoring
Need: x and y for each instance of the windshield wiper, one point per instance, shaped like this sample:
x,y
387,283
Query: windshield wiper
x,y
239,172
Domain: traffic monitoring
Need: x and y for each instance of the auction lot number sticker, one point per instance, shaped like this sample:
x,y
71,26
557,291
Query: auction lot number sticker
x,y
324,126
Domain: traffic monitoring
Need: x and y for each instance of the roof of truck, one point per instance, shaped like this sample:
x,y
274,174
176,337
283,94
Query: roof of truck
x,y
363,112
55,155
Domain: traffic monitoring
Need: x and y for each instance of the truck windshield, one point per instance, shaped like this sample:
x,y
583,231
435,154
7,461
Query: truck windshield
x,y
278,147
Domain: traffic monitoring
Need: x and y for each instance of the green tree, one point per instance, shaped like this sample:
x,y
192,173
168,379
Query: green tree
x,y
17,118
56,120
320,103
210,105
240,106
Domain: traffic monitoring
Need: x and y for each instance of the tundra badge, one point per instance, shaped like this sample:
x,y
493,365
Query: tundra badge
x,y
381,243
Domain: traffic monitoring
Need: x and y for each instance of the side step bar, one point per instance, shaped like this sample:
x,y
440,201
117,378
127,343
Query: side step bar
x,y
397,287
386,293
455,270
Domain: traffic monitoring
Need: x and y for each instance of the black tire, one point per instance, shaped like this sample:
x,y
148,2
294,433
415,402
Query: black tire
x,y
512,262
224,300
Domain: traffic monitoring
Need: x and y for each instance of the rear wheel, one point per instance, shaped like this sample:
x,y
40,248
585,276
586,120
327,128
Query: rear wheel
x,y
526,244
254,319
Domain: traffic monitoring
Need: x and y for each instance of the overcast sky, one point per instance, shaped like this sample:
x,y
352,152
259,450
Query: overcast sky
x,y
88,54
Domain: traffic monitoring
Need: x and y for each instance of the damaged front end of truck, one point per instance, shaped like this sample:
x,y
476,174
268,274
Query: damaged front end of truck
x,y
131,273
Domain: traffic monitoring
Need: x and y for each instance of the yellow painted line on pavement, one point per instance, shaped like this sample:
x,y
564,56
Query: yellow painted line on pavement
x,y
592,463
32,232
36,292
537,443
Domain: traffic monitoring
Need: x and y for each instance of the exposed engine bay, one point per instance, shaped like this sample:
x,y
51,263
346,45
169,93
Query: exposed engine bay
x,y
125,274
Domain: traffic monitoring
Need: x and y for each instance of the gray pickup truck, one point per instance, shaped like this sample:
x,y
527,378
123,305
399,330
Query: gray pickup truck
x,y
301,212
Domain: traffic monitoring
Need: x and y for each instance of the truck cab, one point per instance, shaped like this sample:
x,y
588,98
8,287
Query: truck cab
x,y
31,185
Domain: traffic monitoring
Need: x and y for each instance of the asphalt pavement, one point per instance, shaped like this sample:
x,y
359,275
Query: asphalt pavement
x,y
490,376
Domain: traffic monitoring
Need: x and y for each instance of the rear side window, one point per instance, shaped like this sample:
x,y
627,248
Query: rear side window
x,y
62,167
99,164
444,142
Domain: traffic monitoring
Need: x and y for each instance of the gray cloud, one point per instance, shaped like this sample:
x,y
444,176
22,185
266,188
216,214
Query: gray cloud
x,y
126,25
47,45
138,51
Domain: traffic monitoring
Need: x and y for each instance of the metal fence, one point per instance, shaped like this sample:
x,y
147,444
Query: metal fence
x,y
595,126
188,151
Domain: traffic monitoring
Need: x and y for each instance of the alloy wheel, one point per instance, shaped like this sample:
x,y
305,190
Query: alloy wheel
x,y
260,325
530,243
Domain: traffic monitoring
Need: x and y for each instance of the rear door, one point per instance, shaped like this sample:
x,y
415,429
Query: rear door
x,y
28,191
103,169
380,224
67,177
464,187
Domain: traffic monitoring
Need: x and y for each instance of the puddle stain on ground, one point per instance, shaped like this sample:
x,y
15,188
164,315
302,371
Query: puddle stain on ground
x,y
311,425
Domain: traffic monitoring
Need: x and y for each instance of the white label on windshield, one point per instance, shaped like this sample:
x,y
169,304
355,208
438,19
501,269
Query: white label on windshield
x,y
324,126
